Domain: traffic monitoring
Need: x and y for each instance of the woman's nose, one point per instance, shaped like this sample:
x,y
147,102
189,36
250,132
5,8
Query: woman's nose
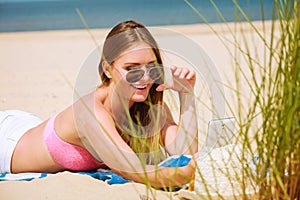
x,y
146,76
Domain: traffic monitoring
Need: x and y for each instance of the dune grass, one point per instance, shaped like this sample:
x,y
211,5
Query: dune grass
x,y
269,123
274,84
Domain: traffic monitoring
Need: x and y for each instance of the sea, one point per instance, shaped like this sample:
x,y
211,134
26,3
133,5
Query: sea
x,y
39,15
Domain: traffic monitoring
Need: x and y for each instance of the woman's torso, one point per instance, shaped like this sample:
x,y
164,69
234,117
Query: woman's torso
x,y
31,153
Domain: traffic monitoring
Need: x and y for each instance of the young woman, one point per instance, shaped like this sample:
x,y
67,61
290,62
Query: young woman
x,y
123,125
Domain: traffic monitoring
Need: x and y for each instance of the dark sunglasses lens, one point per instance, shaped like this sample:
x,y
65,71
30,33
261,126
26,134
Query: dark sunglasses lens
x,y
134,75
156,73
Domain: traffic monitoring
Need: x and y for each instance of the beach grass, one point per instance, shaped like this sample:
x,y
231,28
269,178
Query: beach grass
x,y
269,122
269,119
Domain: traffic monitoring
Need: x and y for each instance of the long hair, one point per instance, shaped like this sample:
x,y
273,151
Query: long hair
x,y
120,38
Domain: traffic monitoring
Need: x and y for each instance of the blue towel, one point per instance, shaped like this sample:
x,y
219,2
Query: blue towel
x,y
107,176
21,176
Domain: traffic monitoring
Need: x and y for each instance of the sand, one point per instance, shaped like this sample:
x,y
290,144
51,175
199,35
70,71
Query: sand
x,y
38,71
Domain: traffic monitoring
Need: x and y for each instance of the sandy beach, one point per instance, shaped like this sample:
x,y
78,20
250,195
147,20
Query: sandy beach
x,y
40,69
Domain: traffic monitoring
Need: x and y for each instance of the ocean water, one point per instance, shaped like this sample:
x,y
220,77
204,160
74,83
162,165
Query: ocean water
x,y
33,15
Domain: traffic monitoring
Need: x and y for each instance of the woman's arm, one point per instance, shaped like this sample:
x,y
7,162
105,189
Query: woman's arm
x,y
182,138
97,131
161,177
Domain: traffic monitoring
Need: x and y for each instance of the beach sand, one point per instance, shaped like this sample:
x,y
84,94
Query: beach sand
x,y
38,73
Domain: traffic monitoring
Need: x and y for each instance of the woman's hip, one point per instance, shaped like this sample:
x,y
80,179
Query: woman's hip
x,y
13,125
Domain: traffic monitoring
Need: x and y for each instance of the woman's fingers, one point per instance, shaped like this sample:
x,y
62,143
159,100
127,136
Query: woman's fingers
x,y
182,72
191,75
176,71
184,79
162,87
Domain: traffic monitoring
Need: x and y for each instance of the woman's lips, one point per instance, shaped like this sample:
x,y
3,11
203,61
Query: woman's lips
x,y
140,87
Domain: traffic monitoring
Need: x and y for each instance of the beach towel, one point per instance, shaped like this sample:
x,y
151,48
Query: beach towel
x,y
106,175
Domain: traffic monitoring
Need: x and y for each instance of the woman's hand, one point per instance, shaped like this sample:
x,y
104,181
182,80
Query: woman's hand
x,y
184,80
178,176
161,177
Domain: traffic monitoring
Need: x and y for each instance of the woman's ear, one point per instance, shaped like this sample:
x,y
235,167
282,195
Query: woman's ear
x,y
106,69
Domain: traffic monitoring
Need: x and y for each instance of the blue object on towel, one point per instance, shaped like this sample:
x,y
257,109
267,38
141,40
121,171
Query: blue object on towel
x,y
176,161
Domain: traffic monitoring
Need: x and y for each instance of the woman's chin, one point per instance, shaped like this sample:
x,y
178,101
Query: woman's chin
x,y
138,98
140,95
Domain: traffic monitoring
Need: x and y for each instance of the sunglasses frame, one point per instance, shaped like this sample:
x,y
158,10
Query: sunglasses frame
x,y
145,69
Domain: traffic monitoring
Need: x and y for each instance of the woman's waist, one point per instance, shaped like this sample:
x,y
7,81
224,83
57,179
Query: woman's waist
x,y
31,153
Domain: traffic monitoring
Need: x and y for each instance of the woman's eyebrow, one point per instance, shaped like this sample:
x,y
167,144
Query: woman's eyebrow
x,y
137,63
132,63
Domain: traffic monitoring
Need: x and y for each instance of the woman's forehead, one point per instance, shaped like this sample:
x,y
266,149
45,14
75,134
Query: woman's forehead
x,y
140,53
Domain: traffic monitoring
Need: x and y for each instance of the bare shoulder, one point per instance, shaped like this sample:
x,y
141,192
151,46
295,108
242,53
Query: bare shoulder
x,y
90,110
81,114
91,103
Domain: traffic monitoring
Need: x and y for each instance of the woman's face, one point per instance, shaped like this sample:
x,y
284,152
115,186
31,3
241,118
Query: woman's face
x,y
138,57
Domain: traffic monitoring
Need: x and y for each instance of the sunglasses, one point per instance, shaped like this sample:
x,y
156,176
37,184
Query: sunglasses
x,y
154,71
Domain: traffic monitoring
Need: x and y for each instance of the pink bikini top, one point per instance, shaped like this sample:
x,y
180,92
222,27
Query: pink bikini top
x,y
70,156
